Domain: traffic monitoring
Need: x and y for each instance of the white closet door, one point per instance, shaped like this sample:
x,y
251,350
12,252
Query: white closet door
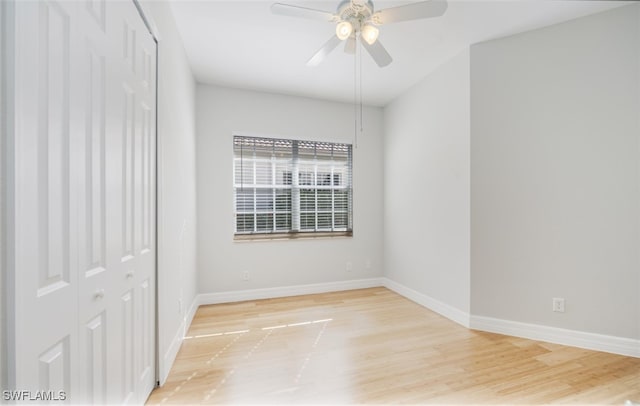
x,y
84,217
130,168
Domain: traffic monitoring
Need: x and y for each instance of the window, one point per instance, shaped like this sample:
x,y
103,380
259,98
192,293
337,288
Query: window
x,y
291,187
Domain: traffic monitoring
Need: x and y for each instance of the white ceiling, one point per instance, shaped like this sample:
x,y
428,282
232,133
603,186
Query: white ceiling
x,y
242,44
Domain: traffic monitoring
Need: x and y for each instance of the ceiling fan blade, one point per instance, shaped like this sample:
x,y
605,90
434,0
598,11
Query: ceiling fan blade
x,y
302,12
324,51
413,11
350,45
378,53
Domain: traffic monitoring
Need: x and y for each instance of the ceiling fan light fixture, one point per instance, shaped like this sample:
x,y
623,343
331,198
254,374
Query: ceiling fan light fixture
x,y
356,18
344,30
370,33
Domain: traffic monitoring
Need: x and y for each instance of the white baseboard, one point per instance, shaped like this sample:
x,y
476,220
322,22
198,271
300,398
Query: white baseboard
x,y
430,303
573,338
191,313
598,342
251,294
171,353
270,293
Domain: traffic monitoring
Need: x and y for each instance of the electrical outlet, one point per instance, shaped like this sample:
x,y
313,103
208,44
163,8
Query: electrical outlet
x,y
349,266
558,304
245,275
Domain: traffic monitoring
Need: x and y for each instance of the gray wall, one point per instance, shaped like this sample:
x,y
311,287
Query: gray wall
x,y
5,29
426,181
512,176
555,182
176,185
221,112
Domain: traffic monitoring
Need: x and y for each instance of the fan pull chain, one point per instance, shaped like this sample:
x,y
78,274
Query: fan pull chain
x,y
355,95
360,61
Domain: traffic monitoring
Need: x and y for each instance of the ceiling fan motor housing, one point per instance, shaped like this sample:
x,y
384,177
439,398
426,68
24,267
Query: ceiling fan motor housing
x,y
356,20
355,12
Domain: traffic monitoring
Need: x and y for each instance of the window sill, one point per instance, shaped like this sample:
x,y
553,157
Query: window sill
x,y
291,236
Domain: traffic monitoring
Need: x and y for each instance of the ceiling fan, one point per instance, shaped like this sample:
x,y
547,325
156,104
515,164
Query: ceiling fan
x,y
356,19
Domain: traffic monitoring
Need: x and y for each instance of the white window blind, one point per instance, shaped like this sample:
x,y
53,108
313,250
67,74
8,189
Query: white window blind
x,y
291,187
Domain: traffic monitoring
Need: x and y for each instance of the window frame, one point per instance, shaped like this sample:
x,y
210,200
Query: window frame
x,y
339,163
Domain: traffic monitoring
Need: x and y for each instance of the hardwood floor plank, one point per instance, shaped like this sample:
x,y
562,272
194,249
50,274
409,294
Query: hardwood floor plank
x,y
374,346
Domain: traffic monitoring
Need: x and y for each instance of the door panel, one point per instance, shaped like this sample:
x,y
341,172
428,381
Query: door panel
x,y
91,141
45,272
84,201
127,366
53,150
54,368
96,361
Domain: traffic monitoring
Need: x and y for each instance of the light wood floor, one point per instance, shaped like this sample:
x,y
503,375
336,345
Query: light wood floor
x,y
373,346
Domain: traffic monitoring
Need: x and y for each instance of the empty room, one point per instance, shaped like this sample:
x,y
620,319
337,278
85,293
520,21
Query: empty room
x,y
320,202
